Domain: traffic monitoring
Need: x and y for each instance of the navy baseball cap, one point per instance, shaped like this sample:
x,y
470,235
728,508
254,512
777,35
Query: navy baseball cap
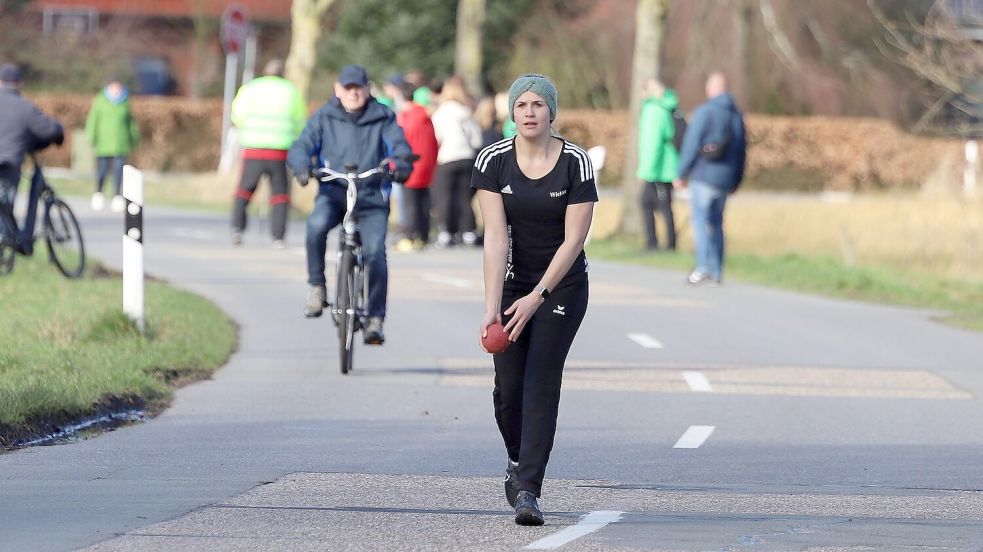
x,y
353,75
11,73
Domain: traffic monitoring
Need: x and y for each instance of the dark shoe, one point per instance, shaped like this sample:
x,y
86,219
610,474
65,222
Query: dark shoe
x,y
527,510
316,301
373,332
511,482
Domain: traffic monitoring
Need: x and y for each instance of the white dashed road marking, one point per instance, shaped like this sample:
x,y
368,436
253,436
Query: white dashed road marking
x,y
645,340
697,381
590,523
456,282
694,437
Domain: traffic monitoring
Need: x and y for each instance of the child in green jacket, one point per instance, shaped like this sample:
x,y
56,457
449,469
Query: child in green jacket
x,y
113,134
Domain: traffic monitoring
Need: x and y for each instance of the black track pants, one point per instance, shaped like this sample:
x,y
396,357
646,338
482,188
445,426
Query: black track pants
x,y
657,196
252,170
528,376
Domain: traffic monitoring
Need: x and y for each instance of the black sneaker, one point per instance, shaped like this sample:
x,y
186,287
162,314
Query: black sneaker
x,y
511,482
527,510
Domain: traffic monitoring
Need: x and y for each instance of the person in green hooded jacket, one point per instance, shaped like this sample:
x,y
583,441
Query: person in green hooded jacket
x,y
658,160
113,133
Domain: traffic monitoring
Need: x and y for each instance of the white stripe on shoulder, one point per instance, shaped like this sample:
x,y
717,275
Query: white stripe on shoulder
x,y
586,169
492,148
486,155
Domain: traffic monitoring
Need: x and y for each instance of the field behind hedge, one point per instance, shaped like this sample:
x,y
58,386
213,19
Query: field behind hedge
x,y
786,153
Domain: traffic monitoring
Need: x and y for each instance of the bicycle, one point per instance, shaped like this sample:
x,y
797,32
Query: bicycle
x,y
60,230
348,310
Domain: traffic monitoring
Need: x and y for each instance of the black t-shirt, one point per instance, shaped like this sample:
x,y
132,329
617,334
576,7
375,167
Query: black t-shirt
x,y
535,210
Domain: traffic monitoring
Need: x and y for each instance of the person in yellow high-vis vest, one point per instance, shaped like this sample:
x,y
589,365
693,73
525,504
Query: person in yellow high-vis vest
x,y
269,113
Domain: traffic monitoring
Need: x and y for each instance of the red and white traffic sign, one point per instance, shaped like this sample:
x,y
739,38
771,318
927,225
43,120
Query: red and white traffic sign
x,y
235,28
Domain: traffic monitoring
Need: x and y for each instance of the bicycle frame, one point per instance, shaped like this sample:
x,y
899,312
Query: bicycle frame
x,y
39,191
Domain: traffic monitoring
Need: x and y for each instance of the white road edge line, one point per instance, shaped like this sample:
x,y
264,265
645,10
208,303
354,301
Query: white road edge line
x,y
694,437
697,382
645,340
588,524
456,282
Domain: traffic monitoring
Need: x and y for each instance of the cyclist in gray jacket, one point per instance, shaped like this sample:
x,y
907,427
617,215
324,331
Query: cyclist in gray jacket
x,y
23,128
351,128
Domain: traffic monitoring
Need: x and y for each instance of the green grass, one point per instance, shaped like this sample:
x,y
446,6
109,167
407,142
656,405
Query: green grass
x,y
67,350
960,301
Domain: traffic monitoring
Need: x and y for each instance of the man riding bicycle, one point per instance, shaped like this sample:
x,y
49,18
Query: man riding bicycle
x,y
23,129
352,128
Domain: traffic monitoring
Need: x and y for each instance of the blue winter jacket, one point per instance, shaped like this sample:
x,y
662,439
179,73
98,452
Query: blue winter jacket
x,y
331,139
710,121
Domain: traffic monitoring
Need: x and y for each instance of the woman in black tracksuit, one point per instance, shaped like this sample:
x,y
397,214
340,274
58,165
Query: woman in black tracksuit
x,y
536,193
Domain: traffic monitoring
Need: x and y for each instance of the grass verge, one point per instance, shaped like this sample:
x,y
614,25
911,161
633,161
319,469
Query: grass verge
x,y
960,302
68,352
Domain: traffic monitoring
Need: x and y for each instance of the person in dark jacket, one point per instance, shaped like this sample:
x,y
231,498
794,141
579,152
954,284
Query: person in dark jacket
x,y
712,160
23,129
351,128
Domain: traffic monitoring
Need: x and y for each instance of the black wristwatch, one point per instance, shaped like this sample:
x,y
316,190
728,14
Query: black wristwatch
x,y
543,292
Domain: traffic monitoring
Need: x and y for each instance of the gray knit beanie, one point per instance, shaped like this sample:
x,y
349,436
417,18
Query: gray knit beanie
x,y
537,84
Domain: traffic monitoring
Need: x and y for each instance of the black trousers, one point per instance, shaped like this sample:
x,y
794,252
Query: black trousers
x,y
452,197
417,202
657,196
252,171
528,376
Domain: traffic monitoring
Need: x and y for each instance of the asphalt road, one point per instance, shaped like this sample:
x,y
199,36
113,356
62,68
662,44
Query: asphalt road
x,y
711,418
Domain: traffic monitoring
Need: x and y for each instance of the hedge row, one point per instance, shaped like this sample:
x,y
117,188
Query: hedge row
x,y
801,152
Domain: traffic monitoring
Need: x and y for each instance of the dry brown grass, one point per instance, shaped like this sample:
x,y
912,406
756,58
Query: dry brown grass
x,y
938,235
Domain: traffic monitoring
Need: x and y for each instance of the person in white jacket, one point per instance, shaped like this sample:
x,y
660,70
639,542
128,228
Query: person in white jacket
x,y
458,140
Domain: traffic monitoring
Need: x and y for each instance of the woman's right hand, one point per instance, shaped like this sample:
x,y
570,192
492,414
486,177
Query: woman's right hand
x,y
489,319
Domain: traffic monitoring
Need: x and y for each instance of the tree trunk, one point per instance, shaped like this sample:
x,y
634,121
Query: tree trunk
x,y
467,51
650,18
306,19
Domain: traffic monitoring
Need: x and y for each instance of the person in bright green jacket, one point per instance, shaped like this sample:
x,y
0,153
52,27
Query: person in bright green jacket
x,y
113,133
270,113
657,160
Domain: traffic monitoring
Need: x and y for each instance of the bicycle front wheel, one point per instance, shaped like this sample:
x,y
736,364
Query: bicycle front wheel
x,y
64,239
8,242
346,311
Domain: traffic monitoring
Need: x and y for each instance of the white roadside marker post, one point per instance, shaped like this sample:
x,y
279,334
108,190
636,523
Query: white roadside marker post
x,y
133,246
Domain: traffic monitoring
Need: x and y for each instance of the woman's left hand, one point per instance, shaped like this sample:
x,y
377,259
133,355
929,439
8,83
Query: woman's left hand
x,y
521,311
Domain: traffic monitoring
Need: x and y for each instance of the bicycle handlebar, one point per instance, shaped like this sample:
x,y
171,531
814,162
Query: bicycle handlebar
x,y
327,174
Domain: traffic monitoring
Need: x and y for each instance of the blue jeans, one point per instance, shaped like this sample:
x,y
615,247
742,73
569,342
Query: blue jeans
x,y
707,204
102,169
329,210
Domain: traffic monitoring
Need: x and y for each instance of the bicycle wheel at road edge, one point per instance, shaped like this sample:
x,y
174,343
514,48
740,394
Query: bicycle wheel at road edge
x,y
64,239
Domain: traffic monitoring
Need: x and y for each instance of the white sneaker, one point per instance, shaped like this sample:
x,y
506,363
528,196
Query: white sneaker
x,y
443,240
277,244
469,238
118,203
98,201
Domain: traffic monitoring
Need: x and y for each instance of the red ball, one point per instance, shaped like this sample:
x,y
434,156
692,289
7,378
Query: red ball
x,y
497,339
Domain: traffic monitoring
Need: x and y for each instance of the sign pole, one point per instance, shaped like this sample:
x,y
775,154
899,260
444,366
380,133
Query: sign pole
x,y
133,246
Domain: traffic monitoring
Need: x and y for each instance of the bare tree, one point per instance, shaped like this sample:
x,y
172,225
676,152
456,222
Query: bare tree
x,y
467,52
306,25
946,51
650,21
